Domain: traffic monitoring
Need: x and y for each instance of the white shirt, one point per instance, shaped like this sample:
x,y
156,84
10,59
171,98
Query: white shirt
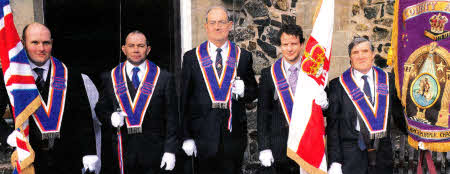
x,y
46,68
212,51
142,69
360,82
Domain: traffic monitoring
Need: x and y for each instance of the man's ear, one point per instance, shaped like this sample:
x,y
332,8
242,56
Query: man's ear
x,y
123,50
149,48
230,25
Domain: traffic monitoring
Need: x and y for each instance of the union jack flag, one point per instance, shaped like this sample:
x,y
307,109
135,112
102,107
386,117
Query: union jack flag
x,y
20,85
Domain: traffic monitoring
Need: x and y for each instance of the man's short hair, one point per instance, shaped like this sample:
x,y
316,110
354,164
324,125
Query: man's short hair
x,y
219,7
24,31
292,29
137,32
357,41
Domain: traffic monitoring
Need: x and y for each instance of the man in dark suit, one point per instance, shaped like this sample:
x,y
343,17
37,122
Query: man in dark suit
x,y
273,125
358,140
217,81
64,150
145,94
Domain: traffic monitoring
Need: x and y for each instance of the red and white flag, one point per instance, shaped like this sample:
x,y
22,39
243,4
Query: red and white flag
x,y
306,141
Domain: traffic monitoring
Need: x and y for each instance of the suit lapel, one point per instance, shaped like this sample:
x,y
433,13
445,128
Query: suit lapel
x,y
131,87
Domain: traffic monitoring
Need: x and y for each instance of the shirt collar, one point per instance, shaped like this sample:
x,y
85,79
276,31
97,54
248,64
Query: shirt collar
x,y
287,65
129,67
213,47
46,65
358,74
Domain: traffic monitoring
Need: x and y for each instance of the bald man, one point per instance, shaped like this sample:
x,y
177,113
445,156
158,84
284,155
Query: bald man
x,y
138,99
62,151
217,80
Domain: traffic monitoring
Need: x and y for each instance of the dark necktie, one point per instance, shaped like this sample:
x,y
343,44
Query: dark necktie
x,y
135,78
293,78
366,88
364,132
219,62
40,79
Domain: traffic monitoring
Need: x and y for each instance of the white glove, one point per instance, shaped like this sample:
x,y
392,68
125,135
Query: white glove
x,y
266,158
12,138
422,146
189,147
168,159
89,162
321,99
335,168
239,87
117,118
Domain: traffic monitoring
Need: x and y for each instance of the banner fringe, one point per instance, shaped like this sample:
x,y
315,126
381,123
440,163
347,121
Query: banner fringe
x,y
134,130
434,146
27,164
394,48
303,164
51,135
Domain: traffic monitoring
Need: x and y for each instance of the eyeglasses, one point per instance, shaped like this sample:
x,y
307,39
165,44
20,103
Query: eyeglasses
x,y
221,22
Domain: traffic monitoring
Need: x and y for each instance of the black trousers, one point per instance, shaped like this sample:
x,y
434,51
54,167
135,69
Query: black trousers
x,y
281,167
222,162
49,160
45,163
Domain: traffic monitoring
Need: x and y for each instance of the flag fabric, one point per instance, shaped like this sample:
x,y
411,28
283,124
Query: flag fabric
x,y
420,55
306,141
20,85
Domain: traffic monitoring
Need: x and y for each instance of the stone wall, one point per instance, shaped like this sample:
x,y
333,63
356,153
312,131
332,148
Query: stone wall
x,y
373,19
257,22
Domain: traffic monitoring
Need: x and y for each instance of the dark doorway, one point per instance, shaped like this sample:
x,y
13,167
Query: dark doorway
x,y
89,33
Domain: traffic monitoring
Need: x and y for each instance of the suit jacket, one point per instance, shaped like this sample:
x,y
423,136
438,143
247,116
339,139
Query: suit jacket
x,y
206,125
273,129
76,134
342,137
159,128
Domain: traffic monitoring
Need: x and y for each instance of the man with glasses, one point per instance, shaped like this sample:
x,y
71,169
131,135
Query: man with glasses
x,y
217,81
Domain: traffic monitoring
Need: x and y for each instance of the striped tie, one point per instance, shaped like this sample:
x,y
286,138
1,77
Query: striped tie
x,y
219,62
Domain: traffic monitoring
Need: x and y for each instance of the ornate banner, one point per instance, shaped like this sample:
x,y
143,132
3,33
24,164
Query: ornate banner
x,y
420,45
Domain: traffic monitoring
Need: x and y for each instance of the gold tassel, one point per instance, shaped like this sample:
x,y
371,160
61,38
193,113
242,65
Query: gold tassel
x,y
390,56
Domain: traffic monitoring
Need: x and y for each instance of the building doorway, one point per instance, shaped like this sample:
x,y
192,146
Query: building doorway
x,y
89,34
